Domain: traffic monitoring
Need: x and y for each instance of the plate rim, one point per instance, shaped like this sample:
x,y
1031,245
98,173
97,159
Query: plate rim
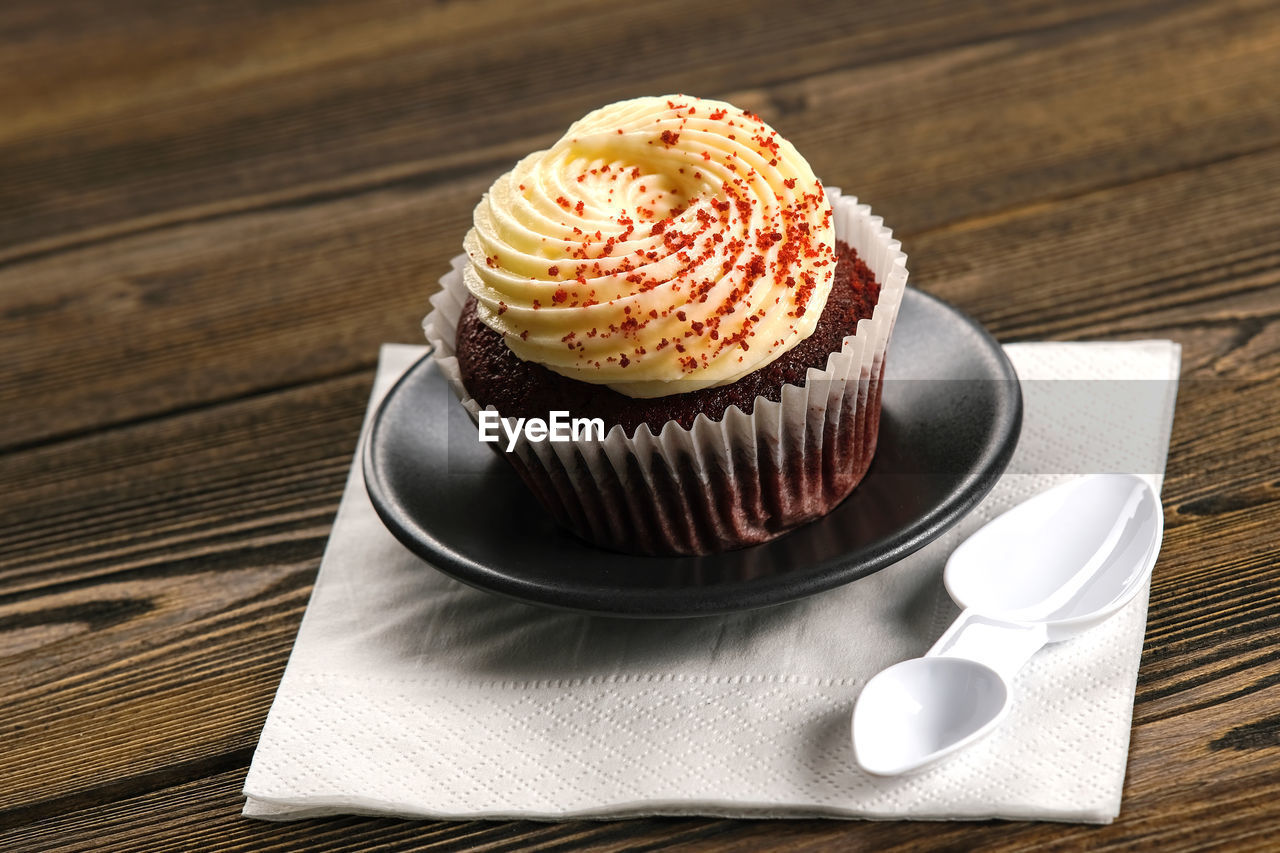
x,y
761,592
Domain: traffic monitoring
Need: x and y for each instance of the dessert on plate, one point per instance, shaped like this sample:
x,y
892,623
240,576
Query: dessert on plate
x,y
672,267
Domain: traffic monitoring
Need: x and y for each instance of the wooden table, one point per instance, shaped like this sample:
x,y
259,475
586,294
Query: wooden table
x,y
212,213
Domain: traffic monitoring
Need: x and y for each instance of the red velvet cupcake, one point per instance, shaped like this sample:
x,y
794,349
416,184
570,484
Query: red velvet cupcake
x,y
672,268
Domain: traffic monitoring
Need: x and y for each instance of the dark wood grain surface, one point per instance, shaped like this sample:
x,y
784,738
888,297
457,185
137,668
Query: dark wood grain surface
x,y
212,213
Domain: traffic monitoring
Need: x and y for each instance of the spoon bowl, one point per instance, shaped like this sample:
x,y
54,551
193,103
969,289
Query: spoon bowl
x,y
918,711
1068,557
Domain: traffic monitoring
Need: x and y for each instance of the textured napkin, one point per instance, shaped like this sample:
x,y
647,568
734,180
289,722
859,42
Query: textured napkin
x,y
410,694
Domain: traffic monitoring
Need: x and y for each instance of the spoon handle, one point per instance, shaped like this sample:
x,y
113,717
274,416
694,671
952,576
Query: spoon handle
x,y
1003,646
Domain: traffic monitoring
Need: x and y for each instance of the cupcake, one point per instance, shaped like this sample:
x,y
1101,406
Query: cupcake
x,y
695,325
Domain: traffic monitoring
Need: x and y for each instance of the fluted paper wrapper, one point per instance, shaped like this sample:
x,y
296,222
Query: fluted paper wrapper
x,y
722,484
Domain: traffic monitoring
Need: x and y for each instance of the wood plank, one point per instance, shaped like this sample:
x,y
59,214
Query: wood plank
x,y
205,813
139,500
1132,261
167,581
151,113
222,309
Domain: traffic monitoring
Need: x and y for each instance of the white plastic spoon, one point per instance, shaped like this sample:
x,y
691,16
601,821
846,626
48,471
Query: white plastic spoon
x,y
1045,571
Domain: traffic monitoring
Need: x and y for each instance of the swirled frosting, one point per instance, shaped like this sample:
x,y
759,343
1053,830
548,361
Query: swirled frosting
x,y
662,245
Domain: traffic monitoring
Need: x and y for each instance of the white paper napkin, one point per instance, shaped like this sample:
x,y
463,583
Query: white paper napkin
x,y
410,694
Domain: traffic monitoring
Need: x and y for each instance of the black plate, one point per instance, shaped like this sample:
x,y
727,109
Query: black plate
x,y
951,413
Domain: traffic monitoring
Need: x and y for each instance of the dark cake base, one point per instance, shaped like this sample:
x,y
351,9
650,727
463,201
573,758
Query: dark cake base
x,y
662,506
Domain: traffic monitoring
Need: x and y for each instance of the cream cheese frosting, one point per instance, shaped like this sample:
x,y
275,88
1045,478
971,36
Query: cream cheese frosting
x,y
662,245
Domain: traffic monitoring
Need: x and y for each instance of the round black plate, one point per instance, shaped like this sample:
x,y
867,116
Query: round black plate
x,y
951,413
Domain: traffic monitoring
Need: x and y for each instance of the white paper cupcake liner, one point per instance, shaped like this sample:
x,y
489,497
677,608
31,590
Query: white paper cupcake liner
x,y
727,483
